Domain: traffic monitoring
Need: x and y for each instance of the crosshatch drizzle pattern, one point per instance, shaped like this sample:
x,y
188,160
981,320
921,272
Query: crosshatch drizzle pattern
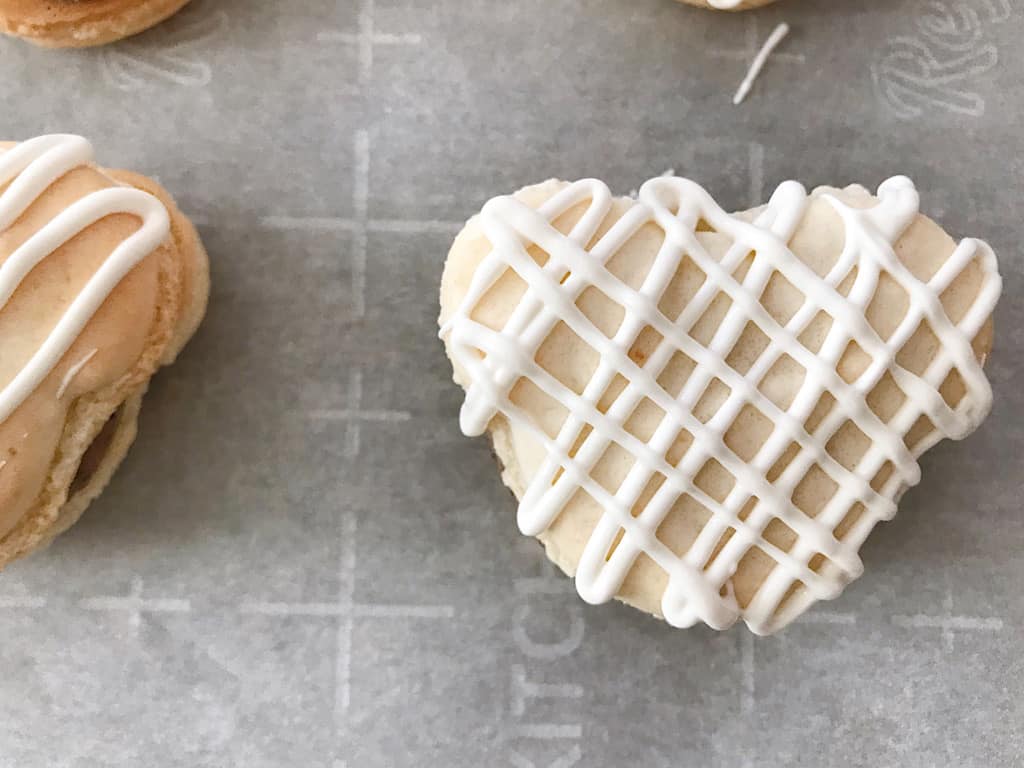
x,y
874,388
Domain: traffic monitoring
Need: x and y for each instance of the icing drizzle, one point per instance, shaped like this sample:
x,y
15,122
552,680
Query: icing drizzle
x,y
27,171
698,590
776,37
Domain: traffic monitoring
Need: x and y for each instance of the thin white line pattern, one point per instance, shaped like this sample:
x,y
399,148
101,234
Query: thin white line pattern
x,y
354,416
361,225
22,602
700,587
940,65
73,371
358,227
773,41
752,44
948,622
134,605
367,38
346,610
741,163
177,57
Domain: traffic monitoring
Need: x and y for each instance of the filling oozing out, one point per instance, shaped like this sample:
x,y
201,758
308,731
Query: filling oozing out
x,y
93,457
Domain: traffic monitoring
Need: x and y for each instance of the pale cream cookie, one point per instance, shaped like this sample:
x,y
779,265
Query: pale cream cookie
x,y
82,23
728,5
705,414
102,281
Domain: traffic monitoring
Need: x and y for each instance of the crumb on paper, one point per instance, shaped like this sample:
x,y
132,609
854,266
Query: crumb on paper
x,y
776,37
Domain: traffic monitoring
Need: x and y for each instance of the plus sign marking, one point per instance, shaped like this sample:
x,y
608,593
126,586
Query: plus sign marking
x,y
361,224
949,622
134,605
367,38
346,611
354,416
752,43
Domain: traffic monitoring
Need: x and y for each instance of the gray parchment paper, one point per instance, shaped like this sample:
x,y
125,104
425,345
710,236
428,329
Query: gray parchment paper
x,y
303,563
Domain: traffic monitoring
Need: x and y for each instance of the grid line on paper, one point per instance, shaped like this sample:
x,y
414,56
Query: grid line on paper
x,y
134,604
361,225
354,416
752,44
366,38
346,610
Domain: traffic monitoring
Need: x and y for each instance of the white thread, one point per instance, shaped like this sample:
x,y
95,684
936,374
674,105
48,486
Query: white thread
x,y
28,170
759,61
133,65
695,587
74,371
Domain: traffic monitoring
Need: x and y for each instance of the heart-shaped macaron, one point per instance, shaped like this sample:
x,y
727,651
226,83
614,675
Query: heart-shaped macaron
x,y
102,281
705,414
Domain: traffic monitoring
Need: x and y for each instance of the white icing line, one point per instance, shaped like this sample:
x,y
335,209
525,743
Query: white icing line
x,y
759,61
29,169
162,605
755,165
74,371
822,617
676,206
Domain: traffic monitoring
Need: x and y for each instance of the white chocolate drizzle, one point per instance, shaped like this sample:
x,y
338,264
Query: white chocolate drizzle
x,y
27,170
699,590
776,37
